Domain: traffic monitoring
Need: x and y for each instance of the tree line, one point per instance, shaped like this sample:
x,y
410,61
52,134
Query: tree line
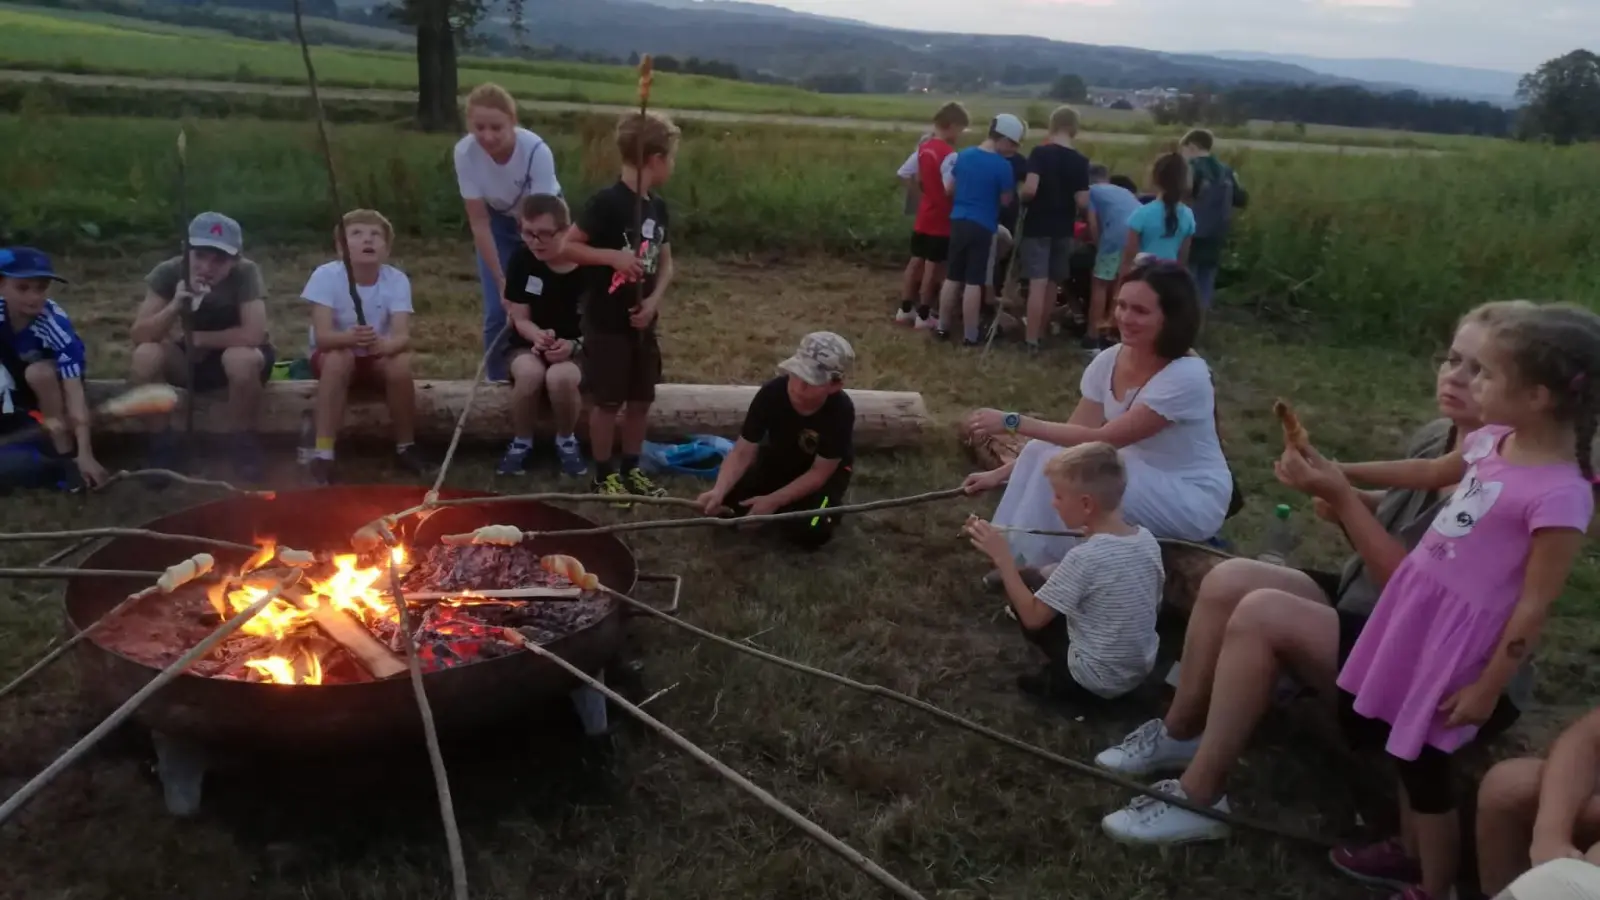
x,y
1345,105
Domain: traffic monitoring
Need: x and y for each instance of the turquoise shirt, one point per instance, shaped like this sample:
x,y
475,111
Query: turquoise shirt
x,y
1150,224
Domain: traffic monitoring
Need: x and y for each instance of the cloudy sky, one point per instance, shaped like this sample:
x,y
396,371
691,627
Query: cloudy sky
x,y
1491,34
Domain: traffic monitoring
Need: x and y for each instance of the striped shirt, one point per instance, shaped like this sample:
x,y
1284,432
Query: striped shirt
x,y
49,337
1109,590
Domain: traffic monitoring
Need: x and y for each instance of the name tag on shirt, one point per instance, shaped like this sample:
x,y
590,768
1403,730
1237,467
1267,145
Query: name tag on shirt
x,y
648,229
535,286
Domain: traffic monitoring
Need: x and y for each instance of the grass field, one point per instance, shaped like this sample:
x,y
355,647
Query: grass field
x,y
33,38
1358,249
890,602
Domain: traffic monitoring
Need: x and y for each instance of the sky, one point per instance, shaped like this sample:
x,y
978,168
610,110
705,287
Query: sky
x,y
1488,34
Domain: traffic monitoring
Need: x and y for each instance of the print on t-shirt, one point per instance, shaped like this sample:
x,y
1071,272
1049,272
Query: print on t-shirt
x,y
1473,498
608,222
649,251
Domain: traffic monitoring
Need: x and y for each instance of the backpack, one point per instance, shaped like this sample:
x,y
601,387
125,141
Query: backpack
x,y
1214,202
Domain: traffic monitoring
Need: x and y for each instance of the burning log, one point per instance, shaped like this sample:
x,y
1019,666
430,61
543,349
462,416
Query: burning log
x,y
339,625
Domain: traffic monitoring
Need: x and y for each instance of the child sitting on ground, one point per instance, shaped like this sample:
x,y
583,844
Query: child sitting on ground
x,y
41,379
544,290
1095,616
377,355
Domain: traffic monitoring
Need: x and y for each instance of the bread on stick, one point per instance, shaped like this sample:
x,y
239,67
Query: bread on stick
x,y
1294,434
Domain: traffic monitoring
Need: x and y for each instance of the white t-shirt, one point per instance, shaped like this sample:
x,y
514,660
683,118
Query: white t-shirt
x,y
1108,588
530,170
1181,393
328,287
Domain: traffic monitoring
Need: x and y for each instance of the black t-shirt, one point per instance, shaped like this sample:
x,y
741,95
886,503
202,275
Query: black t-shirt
x,y
552,297
1063,172
608,220
790,442
1008,213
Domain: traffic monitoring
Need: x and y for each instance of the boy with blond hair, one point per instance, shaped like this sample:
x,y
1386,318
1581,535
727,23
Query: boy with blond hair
x,y
1095,616
1056,190
375,355
930,235
622,236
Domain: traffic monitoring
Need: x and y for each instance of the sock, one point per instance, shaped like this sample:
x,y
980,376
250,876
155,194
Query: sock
x,y
324,448
971,334
905,305
1034,343
604,467
566,441
923,310
401,448
629,462
522,443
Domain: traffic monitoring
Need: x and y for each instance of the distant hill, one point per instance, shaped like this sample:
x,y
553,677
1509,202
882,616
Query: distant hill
x,y
1453,81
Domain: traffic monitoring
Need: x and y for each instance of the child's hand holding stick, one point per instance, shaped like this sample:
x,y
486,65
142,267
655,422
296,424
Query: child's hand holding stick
x,y
989,540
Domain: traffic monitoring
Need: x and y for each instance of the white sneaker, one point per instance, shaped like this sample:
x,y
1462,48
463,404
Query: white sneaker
x,y
905,316
931,323
1149,821
1147,751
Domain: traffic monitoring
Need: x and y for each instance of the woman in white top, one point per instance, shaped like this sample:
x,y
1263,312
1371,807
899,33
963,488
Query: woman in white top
x,y
1151,397
497,164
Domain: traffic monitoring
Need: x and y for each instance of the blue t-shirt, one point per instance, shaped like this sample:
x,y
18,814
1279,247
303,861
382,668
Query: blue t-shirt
x,y
1113,206
49,338
982,178
1150,223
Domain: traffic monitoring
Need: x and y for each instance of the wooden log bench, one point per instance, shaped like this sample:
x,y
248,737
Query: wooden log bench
x,y
884,419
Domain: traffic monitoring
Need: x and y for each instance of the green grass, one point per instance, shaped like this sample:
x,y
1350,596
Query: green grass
x,y
891,602
1367,248
32,38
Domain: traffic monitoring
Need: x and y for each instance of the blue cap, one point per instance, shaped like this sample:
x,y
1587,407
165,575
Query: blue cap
x,y
26,262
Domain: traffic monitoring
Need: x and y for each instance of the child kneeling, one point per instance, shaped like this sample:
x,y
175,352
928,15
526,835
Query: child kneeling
x,y
377,354
1095,617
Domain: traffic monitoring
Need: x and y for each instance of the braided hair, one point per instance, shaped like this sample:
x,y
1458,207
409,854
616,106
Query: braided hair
x,y
1558,347
1171,175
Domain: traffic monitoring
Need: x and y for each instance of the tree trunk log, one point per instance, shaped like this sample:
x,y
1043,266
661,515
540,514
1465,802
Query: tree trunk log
x,y
436,68
883,418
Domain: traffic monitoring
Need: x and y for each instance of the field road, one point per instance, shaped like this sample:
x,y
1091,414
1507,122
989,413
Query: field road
x,y
704,115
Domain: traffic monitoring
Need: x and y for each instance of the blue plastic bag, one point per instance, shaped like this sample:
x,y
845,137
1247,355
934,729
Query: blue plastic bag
x,y
700,456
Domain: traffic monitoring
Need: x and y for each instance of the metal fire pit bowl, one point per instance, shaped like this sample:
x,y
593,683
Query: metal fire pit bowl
x,y
306,720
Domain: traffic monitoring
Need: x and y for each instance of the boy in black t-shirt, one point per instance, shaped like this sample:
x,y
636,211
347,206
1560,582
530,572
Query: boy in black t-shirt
x,y
543,290
1057,189
624,242
797,444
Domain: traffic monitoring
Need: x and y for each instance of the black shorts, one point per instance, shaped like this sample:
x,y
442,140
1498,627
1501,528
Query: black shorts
x,y
1429,779
811,532
931,247
970,248
209,376
621,367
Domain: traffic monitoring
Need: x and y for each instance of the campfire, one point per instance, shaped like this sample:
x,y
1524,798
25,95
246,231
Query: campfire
x,y
339,625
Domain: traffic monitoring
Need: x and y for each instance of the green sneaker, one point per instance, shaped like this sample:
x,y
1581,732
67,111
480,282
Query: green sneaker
x,y
610,486
640,485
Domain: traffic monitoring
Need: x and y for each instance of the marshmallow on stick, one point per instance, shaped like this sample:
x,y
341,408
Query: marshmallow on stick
x,y
296,559
1294,434
181,574
571,569
498,535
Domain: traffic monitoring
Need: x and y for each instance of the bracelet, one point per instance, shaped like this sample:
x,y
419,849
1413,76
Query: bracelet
x,y
1012,421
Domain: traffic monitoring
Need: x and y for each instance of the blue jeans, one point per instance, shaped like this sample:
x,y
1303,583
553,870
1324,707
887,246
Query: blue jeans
x,y
507,236
1205,282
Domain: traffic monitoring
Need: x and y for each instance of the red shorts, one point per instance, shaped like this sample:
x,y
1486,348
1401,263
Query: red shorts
x,y
367,372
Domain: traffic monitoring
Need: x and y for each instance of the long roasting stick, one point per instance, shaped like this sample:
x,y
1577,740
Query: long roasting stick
x,y
1072,764
812,830
466,409
441,778
181,478
73,641
49,572
124,532
27,792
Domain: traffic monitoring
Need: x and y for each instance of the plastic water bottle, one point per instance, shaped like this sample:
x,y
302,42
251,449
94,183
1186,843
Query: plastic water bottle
x,y
308,438
1280,538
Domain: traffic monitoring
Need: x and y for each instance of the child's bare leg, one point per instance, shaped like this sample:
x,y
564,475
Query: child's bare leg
x,y
243,367
562,380
527,383
335,369
400,390
1099,304
971,307
947,303
932,282
1438,849
46,385
911,289
1040,291
635,421
602,436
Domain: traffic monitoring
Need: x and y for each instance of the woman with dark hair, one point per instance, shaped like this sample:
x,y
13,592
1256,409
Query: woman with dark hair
x,y
1164,227
1151,397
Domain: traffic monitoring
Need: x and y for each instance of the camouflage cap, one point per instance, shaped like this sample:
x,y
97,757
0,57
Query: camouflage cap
x,y
823,358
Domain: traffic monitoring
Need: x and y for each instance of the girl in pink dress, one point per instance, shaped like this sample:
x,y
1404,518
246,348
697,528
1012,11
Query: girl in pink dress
x,y
1462,611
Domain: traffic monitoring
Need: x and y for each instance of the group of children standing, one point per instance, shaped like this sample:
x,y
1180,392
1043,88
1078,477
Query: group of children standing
x,y
1054,201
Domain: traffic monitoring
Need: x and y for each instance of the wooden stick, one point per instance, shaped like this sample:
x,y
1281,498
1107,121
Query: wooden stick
x,y
27,792
516,594
466,410
441,777
377,659
57,572
73,641
812,830
1072,764
65,552
182,479
124,532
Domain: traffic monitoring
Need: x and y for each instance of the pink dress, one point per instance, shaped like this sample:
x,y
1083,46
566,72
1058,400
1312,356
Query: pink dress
x,y
1443,611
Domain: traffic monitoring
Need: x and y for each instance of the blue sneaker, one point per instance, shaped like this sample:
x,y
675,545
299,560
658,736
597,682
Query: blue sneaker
x,y
515,462
249,465
571,456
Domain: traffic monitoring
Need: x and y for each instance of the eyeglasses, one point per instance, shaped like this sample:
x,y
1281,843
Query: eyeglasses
x,y
1454,363
543,237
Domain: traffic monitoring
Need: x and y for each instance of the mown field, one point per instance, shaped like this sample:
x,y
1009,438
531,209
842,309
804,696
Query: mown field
x,y
1386,249
43,39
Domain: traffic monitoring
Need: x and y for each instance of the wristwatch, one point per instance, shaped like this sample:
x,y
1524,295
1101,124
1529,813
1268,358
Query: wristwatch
x,y
1012,421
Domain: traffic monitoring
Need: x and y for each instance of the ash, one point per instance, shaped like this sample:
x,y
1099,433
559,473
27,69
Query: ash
x,y
480,567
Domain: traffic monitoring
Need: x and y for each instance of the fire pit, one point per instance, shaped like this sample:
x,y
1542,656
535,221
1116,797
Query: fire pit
x,y
285,687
